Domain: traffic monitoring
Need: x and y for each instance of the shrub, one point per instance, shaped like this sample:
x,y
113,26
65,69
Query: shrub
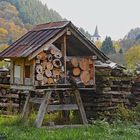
x,y
125,114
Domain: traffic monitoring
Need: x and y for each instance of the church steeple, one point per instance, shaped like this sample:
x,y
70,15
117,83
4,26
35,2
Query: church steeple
x,y
96,35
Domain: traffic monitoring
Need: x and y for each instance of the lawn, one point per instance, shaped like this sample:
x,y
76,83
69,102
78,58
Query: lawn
x,y
99,130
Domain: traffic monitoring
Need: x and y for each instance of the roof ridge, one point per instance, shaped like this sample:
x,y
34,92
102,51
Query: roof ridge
x,y
50,25
52,22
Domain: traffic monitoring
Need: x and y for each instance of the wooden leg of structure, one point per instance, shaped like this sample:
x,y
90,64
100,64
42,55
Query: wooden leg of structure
x,y
42,109
26,107
80,106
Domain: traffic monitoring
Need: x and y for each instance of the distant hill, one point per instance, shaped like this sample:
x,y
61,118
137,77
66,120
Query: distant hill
x,y
18,16
34,12
131,39
133,34
129,52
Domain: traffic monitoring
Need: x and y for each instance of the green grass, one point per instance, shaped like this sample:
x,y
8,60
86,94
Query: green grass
x,y
100,130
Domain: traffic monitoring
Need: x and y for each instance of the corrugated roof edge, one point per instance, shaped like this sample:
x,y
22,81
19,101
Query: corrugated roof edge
x,y
62,23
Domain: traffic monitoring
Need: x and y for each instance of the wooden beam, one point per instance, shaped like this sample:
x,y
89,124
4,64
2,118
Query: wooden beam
x,y
42,109
9,96
24,71
46,45
9,105
93,57
21,87
4,86
62,107
25,111
33,72
81,108
70,88
36,100
12,72
94,73
66,126
65,49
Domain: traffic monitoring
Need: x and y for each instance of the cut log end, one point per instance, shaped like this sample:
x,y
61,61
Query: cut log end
x,y
74,62
76,71
39,69
84,64
39,77
85,77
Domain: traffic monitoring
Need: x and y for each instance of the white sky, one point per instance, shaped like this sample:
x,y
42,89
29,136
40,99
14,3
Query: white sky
x,y
113,17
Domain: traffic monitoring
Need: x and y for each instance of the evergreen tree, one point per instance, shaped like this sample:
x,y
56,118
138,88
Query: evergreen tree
x,y
86,33
34,12
107,46
120,51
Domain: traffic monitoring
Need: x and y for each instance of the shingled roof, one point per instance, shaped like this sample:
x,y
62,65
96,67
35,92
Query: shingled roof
x,y
39,36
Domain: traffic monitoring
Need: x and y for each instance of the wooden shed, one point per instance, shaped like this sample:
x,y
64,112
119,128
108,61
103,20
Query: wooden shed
x,y
53,57
51,53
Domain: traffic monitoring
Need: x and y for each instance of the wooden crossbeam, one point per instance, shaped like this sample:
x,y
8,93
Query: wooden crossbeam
x,y
62,107
36,100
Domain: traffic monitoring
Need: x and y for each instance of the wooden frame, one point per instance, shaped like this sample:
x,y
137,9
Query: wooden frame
x,y
45,107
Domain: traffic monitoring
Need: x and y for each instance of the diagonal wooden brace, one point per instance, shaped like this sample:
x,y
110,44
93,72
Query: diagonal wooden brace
x,y
80,106
42,109
26,107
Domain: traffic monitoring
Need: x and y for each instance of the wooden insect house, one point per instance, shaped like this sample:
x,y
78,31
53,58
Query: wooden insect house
x,y
53,56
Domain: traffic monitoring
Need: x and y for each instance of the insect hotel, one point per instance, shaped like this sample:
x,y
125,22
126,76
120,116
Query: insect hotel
x,y
53,59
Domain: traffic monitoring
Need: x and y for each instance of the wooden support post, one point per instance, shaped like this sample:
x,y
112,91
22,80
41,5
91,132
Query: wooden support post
x,y
65,47
12,72
81,108
42,109
33,72
93,72
26,107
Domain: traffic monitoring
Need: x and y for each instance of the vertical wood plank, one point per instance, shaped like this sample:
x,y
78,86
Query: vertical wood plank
x,y
26,107
22,71
24,83
12,72
93,72
65,47
42,109
81,108
33,72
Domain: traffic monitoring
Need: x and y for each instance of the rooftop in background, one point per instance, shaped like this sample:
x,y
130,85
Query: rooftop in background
x,y
96,33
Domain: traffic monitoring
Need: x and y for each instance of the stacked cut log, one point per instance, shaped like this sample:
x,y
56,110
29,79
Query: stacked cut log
x,y
82,70
97,104
9,101
135,96
4,80
49,67
111,90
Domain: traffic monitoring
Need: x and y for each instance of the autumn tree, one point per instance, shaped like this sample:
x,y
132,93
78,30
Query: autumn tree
x,y
117,46
132,57
98,44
